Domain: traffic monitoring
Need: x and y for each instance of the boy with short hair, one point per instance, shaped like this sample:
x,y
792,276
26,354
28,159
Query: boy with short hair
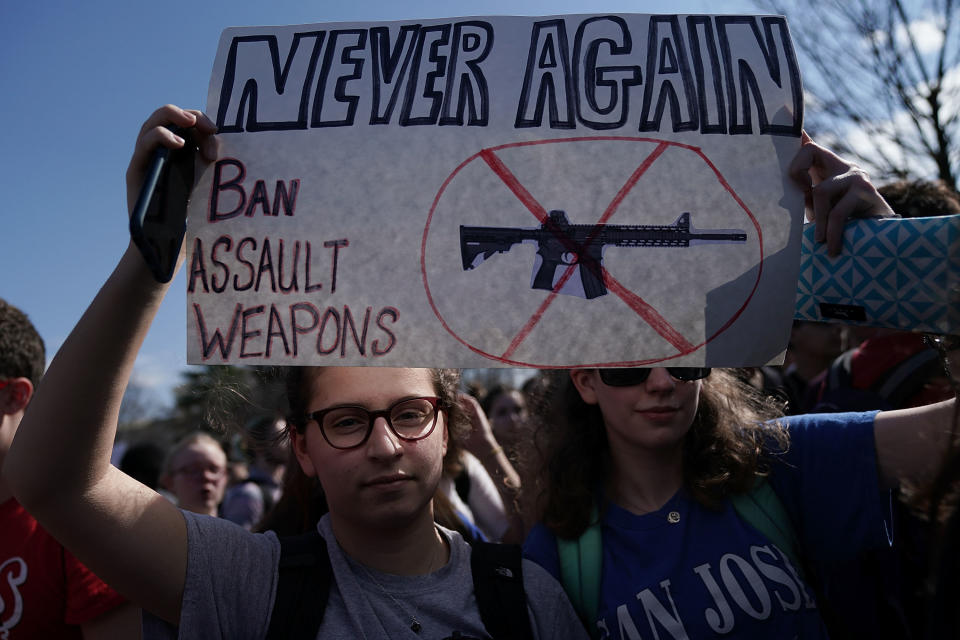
x,y
44,591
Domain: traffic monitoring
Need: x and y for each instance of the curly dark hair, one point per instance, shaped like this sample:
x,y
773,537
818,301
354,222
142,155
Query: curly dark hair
x,y
22,354
302,503
920,198
723,453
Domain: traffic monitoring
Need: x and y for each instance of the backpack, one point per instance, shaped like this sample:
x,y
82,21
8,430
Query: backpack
x,y
890,391
305,576
581,559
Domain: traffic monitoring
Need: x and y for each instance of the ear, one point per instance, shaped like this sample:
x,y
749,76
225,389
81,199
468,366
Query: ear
x,y
446,435
15,396
298,442
585,380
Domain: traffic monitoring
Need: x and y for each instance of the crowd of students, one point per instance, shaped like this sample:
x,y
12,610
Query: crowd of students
x,y
656,502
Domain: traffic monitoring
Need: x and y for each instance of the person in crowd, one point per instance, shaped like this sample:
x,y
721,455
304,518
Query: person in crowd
x,y
940,500
506,408
811,349
374,438
195,473
890,369
679,505
267,450
480,481
45,592
143,461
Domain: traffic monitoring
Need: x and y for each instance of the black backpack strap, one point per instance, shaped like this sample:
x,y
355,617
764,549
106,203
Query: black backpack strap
x,y
498,586
839,374
303,587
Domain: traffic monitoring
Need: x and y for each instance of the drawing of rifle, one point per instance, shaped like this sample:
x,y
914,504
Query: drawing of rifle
x,y
561,243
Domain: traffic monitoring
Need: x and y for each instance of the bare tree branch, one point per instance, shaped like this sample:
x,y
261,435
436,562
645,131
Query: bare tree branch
x,y
883,80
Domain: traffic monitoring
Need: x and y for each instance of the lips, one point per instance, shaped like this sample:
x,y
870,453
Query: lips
x,y
659,412
390,480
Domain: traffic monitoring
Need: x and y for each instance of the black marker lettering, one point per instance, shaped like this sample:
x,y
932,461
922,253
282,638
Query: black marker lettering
x,y
217,340
236,284
275,330
332,112
546,82
593,34
329,313
246,335
466,84
308,263
669,76
299,329
283,110
219,185
422,103
360,341
390,68
336,244
214,283
197,268
266,265
293,268
393,315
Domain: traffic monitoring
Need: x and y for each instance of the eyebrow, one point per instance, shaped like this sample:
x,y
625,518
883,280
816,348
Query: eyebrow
x,y
358,405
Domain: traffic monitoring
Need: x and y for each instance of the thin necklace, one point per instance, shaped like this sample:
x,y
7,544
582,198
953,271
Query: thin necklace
x,y
415,625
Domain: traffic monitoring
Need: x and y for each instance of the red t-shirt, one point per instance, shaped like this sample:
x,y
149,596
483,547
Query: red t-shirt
x,y
44,591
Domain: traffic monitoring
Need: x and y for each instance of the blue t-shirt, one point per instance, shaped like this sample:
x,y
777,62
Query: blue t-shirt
x,y
710,574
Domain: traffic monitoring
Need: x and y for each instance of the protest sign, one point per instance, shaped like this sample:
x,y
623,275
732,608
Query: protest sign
x,y
551,192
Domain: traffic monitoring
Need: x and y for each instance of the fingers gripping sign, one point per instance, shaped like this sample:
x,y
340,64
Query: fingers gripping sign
x,y
834,190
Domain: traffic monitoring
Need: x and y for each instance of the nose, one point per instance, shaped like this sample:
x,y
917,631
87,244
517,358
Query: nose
x,y
660,380
211,476
383,442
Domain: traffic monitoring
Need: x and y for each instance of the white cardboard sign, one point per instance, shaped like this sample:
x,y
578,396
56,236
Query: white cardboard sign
x,y
490,191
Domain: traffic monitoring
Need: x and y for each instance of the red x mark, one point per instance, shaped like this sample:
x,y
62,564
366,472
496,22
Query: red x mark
x,y
635,302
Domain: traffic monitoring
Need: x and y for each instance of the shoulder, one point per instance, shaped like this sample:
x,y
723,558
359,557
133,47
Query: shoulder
x,y
218,544
541,548
828,481
551,614
834,431
231,577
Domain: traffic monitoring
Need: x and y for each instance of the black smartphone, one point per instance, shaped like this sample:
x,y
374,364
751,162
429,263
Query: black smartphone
x,y
159,219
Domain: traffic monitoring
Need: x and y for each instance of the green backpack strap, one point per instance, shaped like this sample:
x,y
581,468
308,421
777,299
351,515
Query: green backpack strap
x,y
761,508
580,564
581,559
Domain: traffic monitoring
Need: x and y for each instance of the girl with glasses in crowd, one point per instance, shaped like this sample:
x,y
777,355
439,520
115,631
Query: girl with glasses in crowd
x,y
676,506
375,439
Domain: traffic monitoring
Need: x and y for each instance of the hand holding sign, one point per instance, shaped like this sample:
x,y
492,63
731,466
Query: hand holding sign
x,y
834,190
160,177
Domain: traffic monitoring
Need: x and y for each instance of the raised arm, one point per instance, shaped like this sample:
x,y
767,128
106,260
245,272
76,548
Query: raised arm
x,y
484,446
59,463
912,444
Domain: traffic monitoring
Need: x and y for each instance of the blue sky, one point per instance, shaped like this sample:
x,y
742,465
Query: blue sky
x,y
78,80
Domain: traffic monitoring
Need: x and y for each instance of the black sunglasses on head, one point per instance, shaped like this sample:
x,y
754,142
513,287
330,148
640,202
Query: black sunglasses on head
x,y
630,377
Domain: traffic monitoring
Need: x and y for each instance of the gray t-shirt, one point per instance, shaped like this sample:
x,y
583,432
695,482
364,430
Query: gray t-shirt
x,y
232,581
